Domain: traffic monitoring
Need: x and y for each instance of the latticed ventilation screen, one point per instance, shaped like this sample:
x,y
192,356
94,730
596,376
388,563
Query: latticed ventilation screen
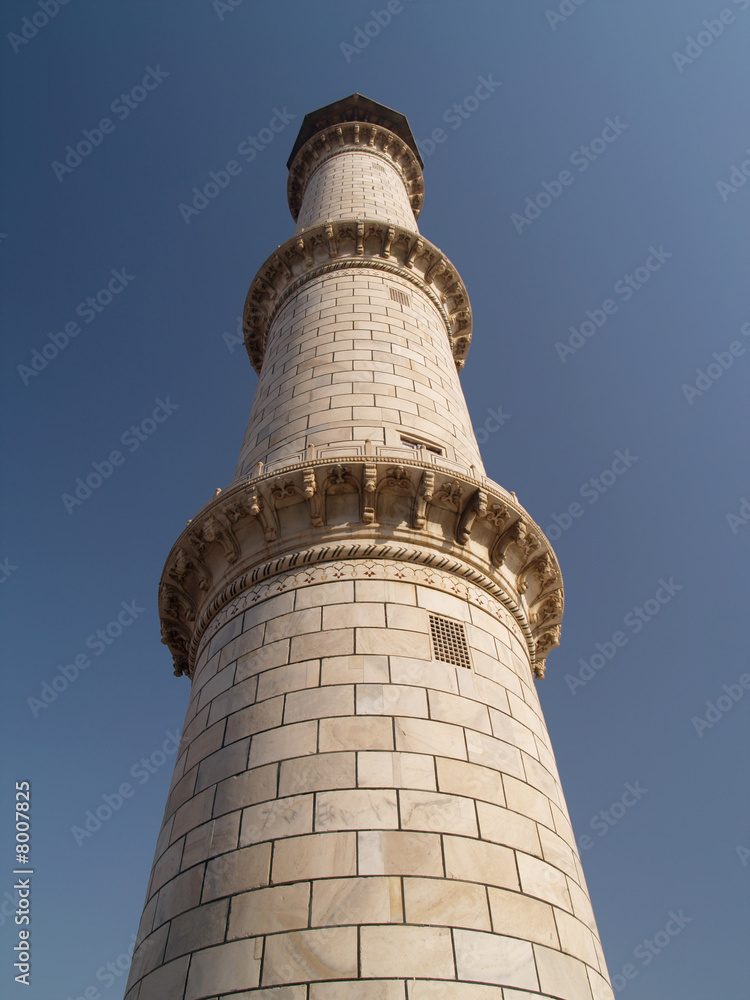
x,y
398,296
449,641
380,170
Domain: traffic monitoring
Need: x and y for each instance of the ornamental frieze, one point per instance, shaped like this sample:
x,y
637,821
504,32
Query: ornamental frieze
x,y
363,504
358,137
340,245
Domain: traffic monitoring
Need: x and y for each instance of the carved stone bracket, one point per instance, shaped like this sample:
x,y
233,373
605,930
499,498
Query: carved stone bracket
x,y
345,244
369,486
422,499
314,500
544,643
216,528
476,507
543,571
516,534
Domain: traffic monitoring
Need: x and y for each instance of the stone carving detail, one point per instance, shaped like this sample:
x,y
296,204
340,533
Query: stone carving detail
x,y
342,244
476,507
479,511
175,603
497,515
178,641
369,486
396,478
330,234
414,250
184,564
216,528
380,142
423,498
517,534
340,480
313,497
549,609
284,492
544,643
266,516
395,481
449,495
542,570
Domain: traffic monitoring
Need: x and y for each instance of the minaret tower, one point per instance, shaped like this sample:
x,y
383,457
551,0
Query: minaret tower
x,y
365,804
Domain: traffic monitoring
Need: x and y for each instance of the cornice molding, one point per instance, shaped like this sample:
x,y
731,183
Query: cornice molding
x,y
359,137
363,507
348,244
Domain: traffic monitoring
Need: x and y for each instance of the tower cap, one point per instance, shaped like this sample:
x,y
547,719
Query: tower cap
x,y
354,108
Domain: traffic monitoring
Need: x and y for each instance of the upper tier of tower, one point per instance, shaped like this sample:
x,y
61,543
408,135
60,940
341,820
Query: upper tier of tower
x,y
356,324
380,178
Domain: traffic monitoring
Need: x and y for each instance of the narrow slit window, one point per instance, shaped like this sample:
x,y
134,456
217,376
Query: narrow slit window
x,y
419,445
449,641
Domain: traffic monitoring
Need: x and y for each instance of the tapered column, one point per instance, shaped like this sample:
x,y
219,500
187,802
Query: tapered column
x,y
365,804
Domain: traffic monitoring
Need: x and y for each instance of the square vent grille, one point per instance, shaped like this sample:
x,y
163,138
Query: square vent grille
x,y
398,296
449,641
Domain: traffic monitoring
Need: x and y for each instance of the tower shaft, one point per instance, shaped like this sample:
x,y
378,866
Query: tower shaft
x,y
365,804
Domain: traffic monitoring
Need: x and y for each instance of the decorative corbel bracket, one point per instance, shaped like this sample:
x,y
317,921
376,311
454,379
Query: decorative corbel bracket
x,y
422,499
475,507
514,535
369,487
313,497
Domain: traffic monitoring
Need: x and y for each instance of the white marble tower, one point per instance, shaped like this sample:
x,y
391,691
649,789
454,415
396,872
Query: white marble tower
x,y
365,804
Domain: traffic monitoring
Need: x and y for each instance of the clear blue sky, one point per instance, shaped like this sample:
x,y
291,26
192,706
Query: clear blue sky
x,y
643,196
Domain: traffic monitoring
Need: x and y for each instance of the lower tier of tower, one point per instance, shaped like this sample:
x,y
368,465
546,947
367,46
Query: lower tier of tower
x,y
365,805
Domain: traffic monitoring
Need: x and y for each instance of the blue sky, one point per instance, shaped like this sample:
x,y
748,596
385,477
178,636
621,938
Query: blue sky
x,y
616,135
